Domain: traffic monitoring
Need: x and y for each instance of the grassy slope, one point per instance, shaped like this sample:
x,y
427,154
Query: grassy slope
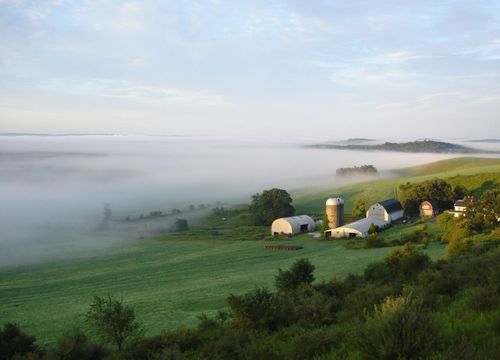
x,y
476,173
170,281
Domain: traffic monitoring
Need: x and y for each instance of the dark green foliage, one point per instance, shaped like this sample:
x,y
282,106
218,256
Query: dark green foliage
x,y
14,342
398,329
406,262
359,209
301,272
374,240
113,321
357,170
181,225
438,190
77,346
425,146
373,229
271,205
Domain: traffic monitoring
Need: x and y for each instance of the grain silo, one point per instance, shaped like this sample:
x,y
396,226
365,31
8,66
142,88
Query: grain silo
x,y
335,212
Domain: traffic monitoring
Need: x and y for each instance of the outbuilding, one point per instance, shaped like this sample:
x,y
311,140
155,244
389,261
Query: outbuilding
x,y
293,225
356,229
429,208
388,210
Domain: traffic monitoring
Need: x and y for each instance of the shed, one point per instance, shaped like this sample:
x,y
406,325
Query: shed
x,y
429,208
356,229
388,210
293,225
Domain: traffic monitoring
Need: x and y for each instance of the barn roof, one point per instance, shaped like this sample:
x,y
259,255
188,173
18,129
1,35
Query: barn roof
x,y
391,205
363,225
433,203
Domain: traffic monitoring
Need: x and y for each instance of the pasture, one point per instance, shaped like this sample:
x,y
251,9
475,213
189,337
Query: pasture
x,y
169,282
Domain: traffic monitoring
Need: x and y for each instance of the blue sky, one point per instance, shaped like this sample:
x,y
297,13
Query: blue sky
x,y
330,69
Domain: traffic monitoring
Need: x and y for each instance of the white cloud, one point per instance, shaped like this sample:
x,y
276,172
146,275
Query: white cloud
x,y
485,52
122,89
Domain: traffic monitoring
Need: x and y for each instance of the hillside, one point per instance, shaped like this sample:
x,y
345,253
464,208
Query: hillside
x,y
425,146
476,174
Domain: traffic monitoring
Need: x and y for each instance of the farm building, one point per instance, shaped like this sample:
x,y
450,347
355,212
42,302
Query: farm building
x,y
387,210
356,229
460,206
293,225
429,208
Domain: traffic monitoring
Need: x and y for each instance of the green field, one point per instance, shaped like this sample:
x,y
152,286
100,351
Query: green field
x,y
169,281
476,174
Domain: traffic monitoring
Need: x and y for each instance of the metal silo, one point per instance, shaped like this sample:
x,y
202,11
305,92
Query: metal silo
x,y
335,212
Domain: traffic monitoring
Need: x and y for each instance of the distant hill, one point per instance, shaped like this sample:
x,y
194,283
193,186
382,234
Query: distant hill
x,y
495,141
426,146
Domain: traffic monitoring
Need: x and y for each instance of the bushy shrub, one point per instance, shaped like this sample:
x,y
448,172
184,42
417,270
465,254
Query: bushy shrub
x,y
398,329
77,346
374,241
301,272
406,262
14,342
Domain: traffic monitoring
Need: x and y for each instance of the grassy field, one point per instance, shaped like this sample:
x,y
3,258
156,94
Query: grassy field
x,y
476,174
169,281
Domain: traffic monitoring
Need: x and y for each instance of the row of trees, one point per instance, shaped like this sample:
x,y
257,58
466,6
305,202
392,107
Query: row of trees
x,y
438,190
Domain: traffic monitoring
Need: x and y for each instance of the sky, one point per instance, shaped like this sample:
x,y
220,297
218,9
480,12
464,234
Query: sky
x,y
278,69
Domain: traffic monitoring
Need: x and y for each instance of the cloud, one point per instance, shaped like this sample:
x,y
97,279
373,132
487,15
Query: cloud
x,y
122,89
486,52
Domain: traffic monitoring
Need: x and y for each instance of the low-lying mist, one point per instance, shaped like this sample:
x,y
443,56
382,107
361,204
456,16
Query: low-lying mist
x,y
54,189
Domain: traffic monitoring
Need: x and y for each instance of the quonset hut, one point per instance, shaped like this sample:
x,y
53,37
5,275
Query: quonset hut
x,y
293,225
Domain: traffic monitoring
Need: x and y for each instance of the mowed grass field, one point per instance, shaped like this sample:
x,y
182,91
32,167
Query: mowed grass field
x,y
168,282
171,280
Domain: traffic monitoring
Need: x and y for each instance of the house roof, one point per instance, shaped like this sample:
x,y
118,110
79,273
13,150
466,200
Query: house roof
x,y
468,200
433,203
391,205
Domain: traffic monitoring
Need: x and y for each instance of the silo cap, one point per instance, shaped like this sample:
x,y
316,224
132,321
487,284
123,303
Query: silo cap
x,y
335,201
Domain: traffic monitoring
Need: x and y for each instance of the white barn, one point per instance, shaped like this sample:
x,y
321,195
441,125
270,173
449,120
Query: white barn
x,y
293,225
356,229
388,210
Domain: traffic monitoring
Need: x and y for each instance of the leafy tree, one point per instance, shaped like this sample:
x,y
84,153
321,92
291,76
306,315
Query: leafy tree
x,y
359,210
270,205
301,272
113,321
77,346
373,229
399,329
15,343
412,195
406,262
180,225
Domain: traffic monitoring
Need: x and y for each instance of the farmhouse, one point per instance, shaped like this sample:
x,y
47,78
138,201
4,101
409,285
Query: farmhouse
x,y
460,206
356,229
388,210
429,208
293,225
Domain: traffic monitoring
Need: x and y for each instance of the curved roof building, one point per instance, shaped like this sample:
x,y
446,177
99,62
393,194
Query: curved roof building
x,y
293,225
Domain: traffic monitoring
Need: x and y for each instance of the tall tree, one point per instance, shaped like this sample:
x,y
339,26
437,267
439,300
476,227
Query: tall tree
x,y
113,321
270,205
359,209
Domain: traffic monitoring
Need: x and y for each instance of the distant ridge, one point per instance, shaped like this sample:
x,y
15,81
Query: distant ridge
x,y
426,146
484,141
48,134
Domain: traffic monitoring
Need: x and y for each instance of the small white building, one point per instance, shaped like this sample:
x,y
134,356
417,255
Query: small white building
x,y
356,229
389,210
460,206
293,225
